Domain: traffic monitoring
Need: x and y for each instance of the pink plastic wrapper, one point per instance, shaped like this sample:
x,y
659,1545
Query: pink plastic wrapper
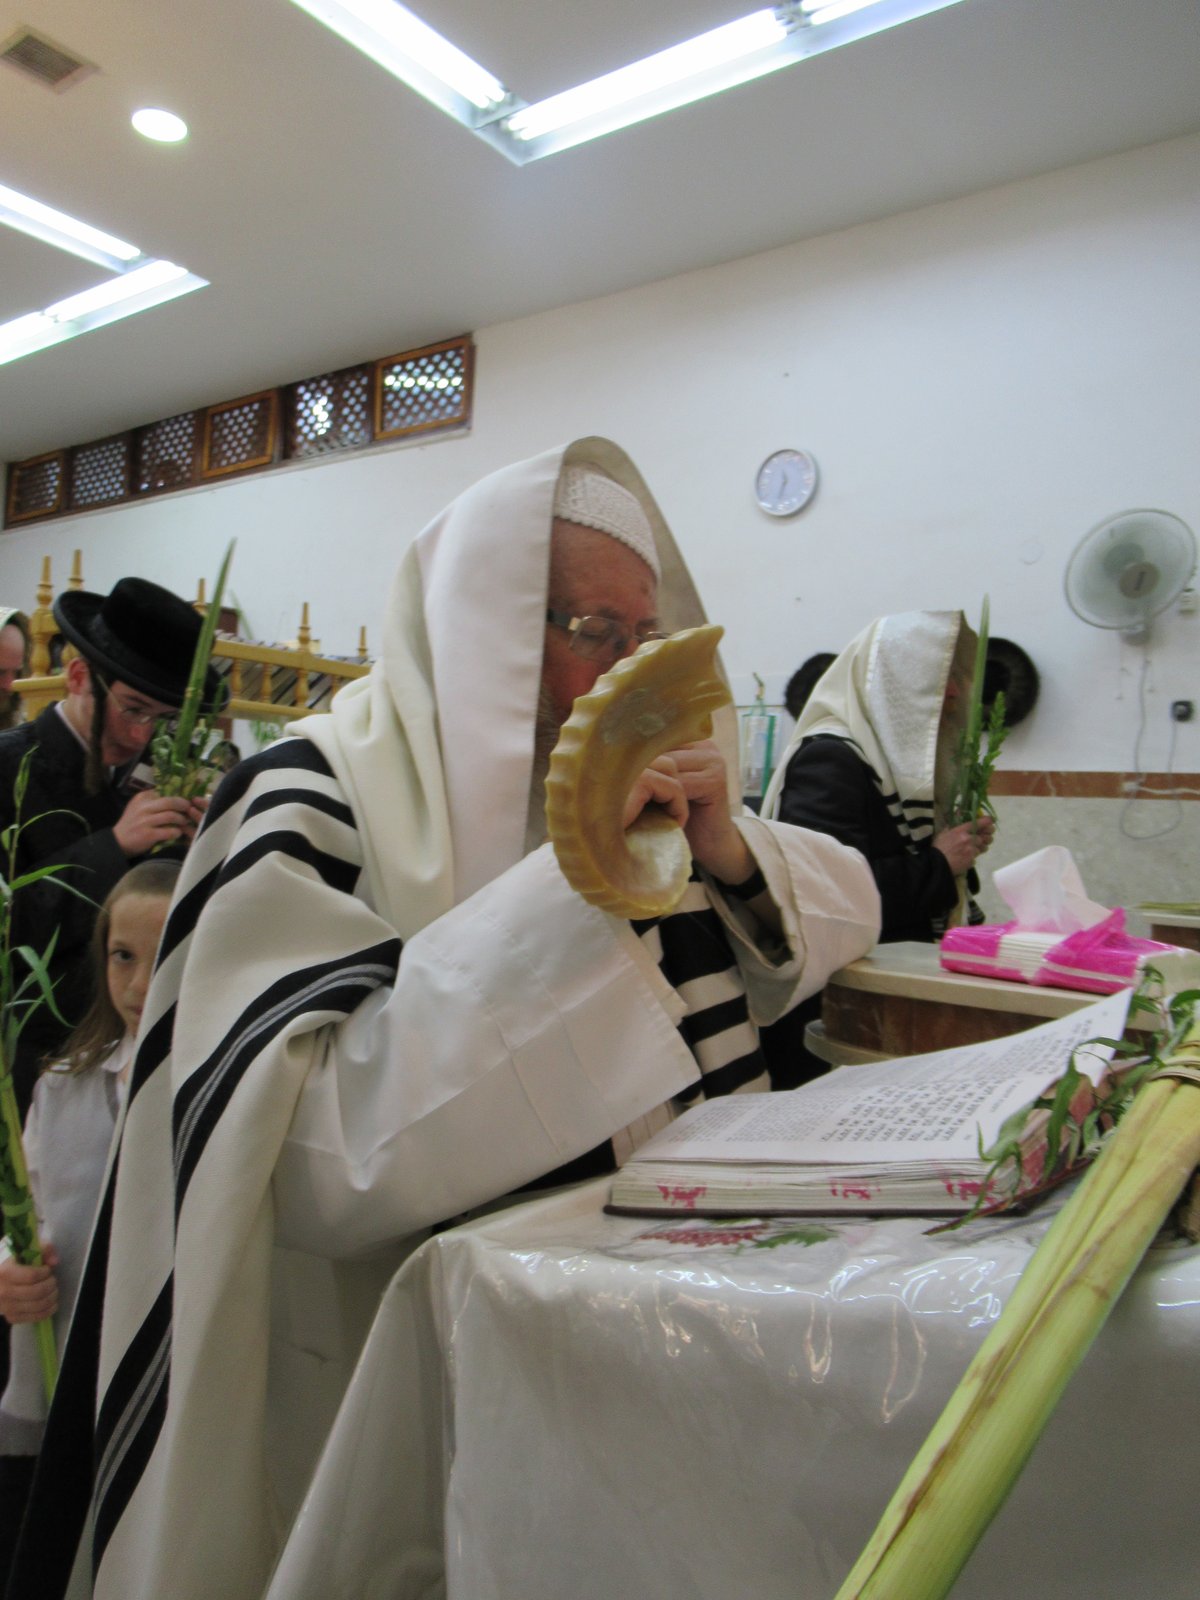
x,y
1100,959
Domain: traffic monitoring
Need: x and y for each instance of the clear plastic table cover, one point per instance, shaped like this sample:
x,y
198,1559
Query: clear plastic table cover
x,y
557,1403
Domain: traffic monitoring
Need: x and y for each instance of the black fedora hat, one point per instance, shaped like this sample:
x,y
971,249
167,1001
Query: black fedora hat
x,y
1009,670
140,634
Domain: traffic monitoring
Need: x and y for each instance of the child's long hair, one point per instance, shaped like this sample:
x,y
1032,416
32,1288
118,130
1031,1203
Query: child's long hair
x,y
102,1028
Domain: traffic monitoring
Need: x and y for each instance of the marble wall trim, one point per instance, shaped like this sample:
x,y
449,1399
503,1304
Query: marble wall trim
x,y
1098,785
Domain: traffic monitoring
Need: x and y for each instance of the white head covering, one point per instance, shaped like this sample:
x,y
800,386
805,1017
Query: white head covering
x,y
435,746
885,693
587,497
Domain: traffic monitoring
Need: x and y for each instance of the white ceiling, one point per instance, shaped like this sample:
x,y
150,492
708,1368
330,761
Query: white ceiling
x,y
339,217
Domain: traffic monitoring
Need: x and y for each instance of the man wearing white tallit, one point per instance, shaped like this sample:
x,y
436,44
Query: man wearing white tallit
x,y
378,1004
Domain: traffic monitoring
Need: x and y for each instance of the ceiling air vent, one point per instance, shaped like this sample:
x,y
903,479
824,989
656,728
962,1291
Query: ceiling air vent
x,y
38,57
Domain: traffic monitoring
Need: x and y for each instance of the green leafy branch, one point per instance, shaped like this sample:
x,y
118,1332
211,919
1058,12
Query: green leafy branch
x,y
181,749
25,985
1079,1119
979,744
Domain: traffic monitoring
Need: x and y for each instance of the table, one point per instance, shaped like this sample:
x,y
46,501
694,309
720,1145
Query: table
x,y
1175,927
555,1404
900,1001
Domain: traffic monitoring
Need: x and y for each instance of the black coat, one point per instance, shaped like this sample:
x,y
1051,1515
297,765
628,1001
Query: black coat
x,y
63,824
829,787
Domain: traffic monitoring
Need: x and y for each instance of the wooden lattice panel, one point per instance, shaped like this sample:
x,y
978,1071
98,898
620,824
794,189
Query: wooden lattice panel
x,y
166,454
100,472
332,412
412,393
240,434
35,487
424,389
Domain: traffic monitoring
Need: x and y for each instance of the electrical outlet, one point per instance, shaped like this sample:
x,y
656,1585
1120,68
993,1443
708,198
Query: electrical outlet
x,y
1182,710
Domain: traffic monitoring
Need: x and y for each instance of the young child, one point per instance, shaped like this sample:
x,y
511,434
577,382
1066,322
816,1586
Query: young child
x,y
67,1137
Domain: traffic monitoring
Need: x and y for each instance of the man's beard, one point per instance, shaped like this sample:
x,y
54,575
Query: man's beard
x,y
547,725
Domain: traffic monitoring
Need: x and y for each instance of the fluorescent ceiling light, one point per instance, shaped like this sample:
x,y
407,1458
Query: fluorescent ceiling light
x,y
699,66
114,290
414,52
138,281
738,52
820,11
124,296
164,127
65,233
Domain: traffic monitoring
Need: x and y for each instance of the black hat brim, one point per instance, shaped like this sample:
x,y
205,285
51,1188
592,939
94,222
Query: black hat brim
x,y
1009,671
79,614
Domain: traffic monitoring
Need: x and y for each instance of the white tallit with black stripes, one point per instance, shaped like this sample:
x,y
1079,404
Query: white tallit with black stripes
x,y
373,1011
885,693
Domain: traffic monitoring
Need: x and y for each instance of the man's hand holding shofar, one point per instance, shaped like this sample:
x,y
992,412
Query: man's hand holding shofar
x,y
636,787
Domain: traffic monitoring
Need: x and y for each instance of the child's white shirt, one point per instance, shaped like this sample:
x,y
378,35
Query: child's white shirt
x,y
68,1133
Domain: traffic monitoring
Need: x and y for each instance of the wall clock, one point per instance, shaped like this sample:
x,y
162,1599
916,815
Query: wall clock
x,y
786,482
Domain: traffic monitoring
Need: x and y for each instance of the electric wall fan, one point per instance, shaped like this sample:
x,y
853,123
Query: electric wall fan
x,y
1130,568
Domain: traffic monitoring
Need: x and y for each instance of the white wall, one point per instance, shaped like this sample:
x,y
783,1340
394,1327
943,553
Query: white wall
x,y
980,381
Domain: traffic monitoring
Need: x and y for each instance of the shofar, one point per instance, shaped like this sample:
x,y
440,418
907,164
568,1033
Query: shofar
x,y
657,700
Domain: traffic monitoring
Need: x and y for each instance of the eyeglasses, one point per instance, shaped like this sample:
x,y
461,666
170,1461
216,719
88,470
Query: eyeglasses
x,y
135,716
595,638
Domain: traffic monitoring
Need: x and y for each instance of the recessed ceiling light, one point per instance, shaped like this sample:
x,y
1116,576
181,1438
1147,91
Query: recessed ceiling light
x,y
163,126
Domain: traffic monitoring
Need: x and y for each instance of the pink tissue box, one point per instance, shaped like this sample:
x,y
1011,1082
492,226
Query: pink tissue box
x,y
1101,959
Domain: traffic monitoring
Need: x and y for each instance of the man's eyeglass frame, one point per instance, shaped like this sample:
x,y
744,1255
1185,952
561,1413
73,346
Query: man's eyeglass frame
x,y
136,719
614,640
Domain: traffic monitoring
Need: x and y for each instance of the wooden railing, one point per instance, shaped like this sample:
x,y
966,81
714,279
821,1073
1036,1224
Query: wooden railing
x,y
267,682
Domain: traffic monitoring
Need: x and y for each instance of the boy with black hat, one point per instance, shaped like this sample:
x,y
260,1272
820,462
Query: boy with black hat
x,y
135,655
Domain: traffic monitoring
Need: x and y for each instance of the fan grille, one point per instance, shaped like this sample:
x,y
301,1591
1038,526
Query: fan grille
x,y
1130,568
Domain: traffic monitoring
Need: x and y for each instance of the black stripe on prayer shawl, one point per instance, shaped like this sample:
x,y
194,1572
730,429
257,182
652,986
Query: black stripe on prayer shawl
x,y
335,986
310,799
296,753
913,829
134,1406
724,1080
715,1019
152,1051
692,947
918,815
336,872
132,1414
913,820
293,754
184,915
131,1418
56,1511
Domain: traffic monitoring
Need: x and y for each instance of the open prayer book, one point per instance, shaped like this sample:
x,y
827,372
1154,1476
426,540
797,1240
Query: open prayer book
x,y
892,1136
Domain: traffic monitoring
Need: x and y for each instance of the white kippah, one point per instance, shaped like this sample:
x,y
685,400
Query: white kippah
x,y
584,495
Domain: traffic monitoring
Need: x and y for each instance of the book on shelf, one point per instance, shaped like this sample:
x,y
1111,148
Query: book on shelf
x,y
904,1135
